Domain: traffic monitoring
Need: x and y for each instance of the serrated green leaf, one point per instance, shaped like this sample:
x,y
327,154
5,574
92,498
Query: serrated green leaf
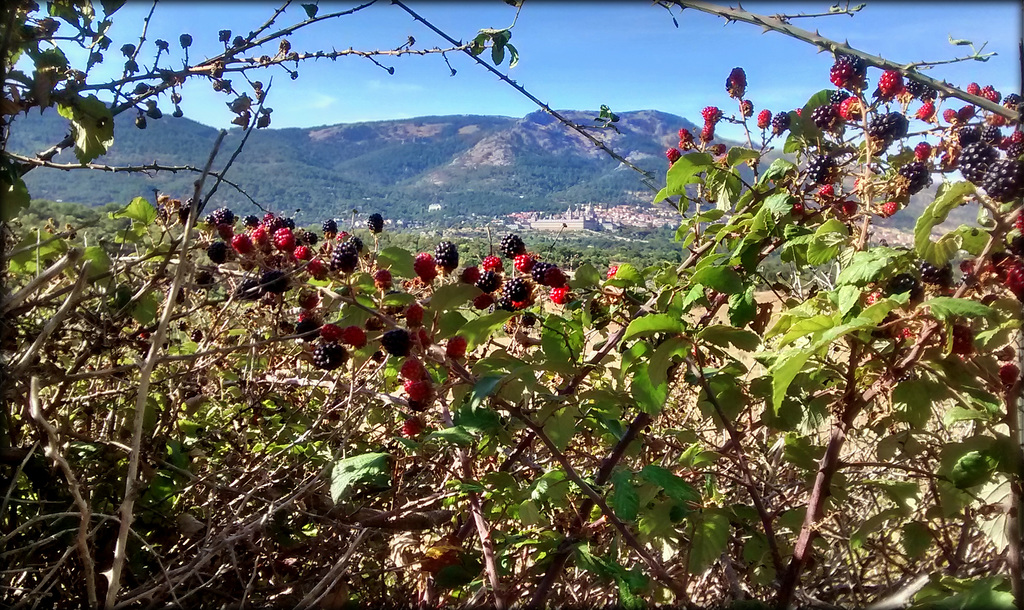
x,y
722,279
479,330
627,274
728,335
674,487
653,324
452,296
456,435
369,469
915,539
625,502
139,210
146,308
92,125
560,428
710,535
398,260
939,253
586,276
685,170
944,308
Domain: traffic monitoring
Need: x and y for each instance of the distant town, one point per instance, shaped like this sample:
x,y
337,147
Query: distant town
x,y
594,218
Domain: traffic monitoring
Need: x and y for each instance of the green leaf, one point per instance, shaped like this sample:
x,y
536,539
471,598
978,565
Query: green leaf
x,y
624,499
513,55
973,468
727,335
722,279
779,204
777,170
653,324
586,276
867,265
915,538
396,299
452,296
784,371
498,54
562,343
310,9
456,435
685,170
739,154
628,274
367,470
398,260
139,210
15,197
742,308
649,394
480,330
111,6
92,125
912,400
674,487
947,307
939,253
708,540
146,307
560,428
99,258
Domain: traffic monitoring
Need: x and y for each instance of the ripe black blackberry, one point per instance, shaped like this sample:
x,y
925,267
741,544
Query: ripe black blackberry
x,y
289,223
991,135
820,169
1015,150
1017,245
968,134
446,255
223,216
307,328
217,251
489,281
330,227
975,160
888,127
512,245
917,176
308,237
345,258
274,281
826,116
903,282
539,270
528,320
248,290
204,278
517,289
1004,180
355,241
919,90
780,123
375,223
396,342
837,97
938,276
505,303
251,221
329,356
1011,101
183,213
272,223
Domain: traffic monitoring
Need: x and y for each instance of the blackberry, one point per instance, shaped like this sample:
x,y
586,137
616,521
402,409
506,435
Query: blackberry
x,y
888,127
1004,181
539,270
329,226
345,258
183,213
375,223
930,274
1015,150
904,282
517,289
820,168
446,255
780,123
826,116
251,221
289,223
505,303
223,216
489,281
1017,245
307,328
917,176
309,238
274,281
848,72
512,245
272,223
355,241
204,278
968,134
396,342
329,356
1011,101
248,290
919,90
838,96
528,320
975,160
991,135
218,252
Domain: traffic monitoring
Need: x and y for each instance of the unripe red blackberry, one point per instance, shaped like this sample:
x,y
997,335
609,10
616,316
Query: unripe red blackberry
x,y
226,232
284,240
851,109
917,176
329,356
826,192
218,252
241,243
849,207
446,255
317,269
420,391
492,263
780,123
517,289
345,258
425,267
483,301
673,155
922,151
330,332
974,161
302,253
1009,373
974,89
926,111
711,114
989,93
412,369
685,139
274,281
764,119
1004,180
736,83
456,347
889,208
612,271
414,314
382,279
512,245
890,84
308,300
489,281
396,342
260,237
375,223
412,428
747,108
354,336
470,275
707,133
523,263
560,295
965,114
554,277
949,115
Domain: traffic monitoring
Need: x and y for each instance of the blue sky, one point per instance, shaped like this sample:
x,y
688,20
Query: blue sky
x,y
628,55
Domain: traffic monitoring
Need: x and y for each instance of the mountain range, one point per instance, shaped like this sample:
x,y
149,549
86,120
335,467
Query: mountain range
x,y
469,165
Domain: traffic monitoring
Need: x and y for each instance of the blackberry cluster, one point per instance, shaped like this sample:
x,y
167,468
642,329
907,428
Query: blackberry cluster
x,y
222,216
489,281
517,289
904,282
274,281
375,223
820,168
329,356
248,290
1004,181
252,221
930,274
991,135
975,160
917,176
217,251
888,127
446,255
921,91
330,227
396,342
838,96
848,72
540,269
780,123
355,241
826,116
345,258
272,223
512,245
968,134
